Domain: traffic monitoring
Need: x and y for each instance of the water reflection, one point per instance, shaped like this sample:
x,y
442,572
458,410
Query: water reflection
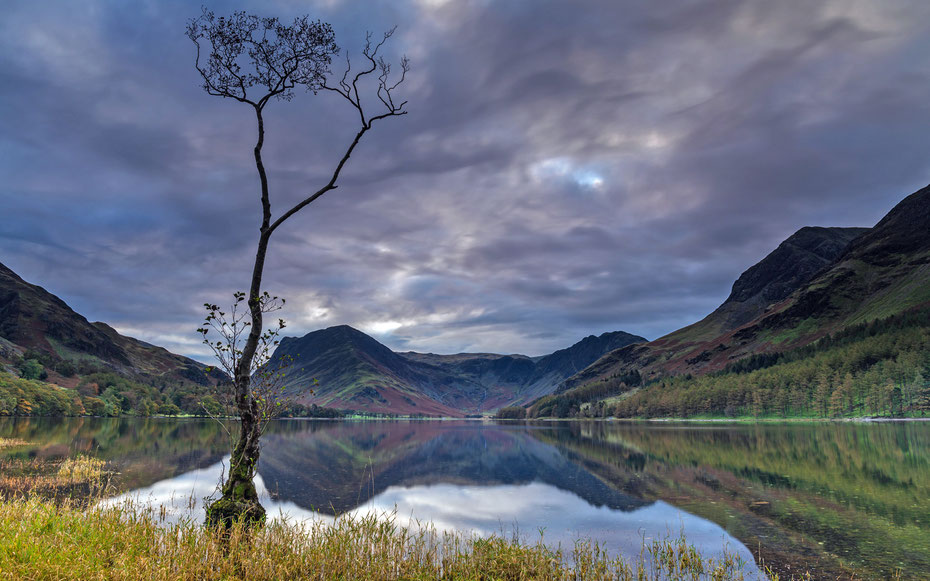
x,y
844,500
523,510
334,467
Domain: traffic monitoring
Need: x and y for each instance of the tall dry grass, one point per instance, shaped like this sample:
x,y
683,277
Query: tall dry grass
x,y
42,540
52,528
12,443
76,480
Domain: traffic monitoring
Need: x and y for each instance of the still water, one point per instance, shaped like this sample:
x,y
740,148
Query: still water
x,y
840,500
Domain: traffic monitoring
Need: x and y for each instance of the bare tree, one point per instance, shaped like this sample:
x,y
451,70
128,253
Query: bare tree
x,y
255,60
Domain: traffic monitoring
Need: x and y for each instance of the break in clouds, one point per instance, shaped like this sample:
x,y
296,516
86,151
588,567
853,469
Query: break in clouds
x,y
566,168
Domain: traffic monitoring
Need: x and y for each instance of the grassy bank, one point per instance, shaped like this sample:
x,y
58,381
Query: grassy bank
x,y
74,480
51,527
41,540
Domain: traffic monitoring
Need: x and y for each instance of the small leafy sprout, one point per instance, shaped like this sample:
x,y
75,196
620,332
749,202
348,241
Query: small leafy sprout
x,y
231,330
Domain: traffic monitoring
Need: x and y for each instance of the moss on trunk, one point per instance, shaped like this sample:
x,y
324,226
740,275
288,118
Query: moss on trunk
x,y
239,501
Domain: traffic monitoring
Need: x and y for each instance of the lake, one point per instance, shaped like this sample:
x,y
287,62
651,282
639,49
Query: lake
x,y
838,499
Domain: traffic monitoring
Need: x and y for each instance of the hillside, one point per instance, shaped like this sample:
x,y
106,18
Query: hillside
x,y
346,368
794,297
794,263
108,373
882,272
518,379
36,323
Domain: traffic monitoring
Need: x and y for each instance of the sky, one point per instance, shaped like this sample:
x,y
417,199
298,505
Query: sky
x,y
565,169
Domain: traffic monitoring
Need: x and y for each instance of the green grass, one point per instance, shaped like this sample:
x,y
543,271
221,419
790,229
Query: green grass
x,y
806,327
65,352
909,291
40,540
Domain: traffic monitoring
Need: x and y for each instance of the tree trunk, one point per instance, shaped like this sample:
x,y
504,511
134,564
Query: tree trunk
x,y
240,499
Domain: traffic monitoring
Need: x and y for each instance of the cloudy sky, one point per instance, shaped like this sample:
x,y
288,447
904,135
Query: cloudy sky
x,y
566,168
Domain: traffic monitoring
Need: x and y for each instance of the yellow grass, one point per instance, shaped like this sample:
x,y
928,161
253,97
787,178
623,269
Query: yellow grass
x,y
40,540
79,479
82,469
11,443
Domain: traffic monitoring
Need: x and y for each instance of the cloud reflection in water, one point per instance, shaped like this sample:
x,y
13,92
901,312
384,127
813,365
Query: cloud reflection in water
x,y
527,509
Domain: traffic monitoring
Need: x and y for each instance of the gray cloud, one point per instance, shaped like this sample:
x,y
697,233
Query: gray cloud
x,y
566,168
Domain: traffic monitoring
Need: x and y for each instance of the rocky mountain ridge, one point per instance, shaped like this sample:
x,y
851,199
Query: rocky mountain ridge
x,y
820,280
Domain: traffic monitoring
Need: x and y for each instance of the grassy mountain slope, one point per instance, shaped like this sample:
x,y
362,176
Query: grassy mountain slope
x,y
794,263
34,321
346,368
882,272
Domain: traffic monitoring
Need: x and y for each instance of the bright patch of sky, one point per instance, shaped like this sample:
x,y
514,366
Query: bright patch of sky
x,y
561,168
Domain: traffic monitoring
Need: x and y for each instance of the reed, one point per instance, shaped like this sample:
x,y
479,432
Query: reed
x,y
79,480
11,443
44,540
52,526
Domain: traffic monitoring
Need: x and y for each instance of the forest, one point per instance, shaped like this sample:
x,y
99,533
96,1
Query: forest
x,y
110,395
875,369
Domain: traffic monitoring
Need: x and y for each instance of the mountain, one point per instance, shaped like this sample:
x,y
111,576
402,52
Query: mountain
x,y
518,379
793,264
342,367
33,319
818,282
346,368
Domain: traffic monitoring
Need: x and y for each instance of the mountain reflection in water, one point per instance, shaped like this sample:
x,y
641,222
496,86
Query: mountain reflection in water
x,y
459,476
336,467
845,500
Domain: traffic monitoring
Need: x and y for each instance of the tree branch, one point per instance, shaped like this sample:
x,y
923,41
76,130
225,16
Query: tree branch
x,y
331,185
350,93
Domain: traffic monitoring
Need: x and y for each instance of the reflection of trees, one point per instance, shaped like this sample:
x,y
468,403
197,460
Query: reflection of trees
x,y
144,450
852,496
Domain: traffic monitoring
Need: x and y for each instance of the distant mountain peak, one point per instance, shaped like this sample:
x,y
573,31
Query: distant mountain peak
x,y
816,282
350,369
904,230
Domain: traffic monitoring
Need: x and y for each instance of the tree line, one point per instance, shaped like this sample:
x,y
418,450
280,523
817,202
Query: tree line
x,y
877,368
112,395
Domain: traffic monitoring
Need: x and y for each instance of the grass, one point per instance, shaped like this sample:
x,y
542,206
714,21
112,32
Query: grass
x,y
41,540
11,443
76,480
51,527
82,469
